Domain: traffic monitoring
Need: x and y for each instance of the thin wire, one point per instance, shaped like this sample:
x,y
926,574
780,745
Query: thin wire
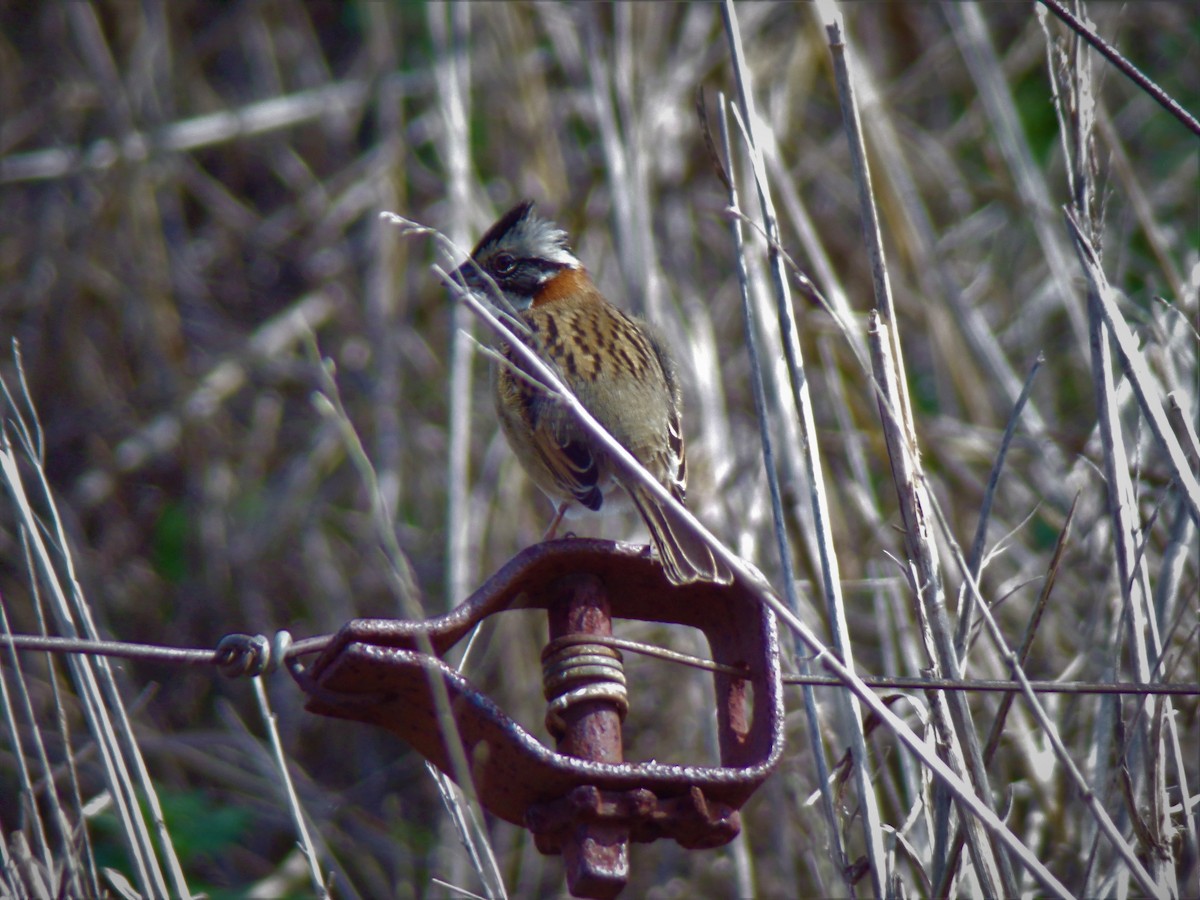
x,y
898,682
992,686
197,657
183,656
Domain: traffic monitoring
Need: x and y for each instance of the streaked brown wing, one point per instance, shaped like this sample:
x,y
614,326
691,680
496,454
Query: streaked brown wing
x,y
569,460
675,463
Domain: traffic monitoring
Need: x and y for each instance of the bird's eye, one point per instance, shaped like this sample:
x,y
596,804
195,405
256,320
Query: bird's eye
x,y
504,263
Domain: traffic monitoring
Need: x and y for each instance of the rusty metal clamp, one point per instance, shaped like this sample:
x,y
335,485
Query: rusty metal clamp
x,y
583,801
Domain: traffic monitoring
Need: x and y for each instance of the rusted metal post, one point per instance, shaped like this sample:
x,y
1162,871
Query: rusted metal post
x,y
596,856
584,801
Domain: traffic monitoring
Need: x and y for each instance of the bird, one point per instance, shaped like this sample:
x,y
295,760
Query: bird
x,y
615,364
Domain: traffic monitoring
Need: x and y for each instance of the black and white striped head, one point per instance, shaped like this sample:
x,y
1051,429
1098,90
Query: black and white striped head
x,y
521,253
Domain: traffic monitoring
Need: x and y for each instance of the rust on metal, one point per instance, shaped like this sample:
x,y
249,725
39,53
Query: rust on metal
x,y
583,792
591,728
595,850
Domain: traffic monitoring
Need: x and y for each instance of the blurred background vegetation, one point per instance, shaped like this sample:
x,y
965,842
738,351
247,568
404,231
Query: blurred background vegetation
x,y
184,185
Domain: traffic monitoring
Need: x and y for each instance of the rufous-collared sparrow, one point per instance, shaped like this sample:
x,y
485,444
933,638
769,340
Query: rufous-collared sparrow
x,y
615,364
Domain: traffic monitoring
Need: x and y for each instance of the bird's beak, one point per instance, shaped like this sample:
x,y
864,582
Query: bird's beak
x,y
468,276
464,277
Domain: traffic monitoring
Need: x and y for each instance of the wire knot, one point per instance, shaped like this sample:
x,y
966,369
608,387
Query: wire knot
x,y
576,670
251,654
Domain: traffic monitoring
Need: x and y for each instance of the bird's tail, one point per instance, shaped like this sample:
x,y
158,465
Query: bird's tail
x,y
685,558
